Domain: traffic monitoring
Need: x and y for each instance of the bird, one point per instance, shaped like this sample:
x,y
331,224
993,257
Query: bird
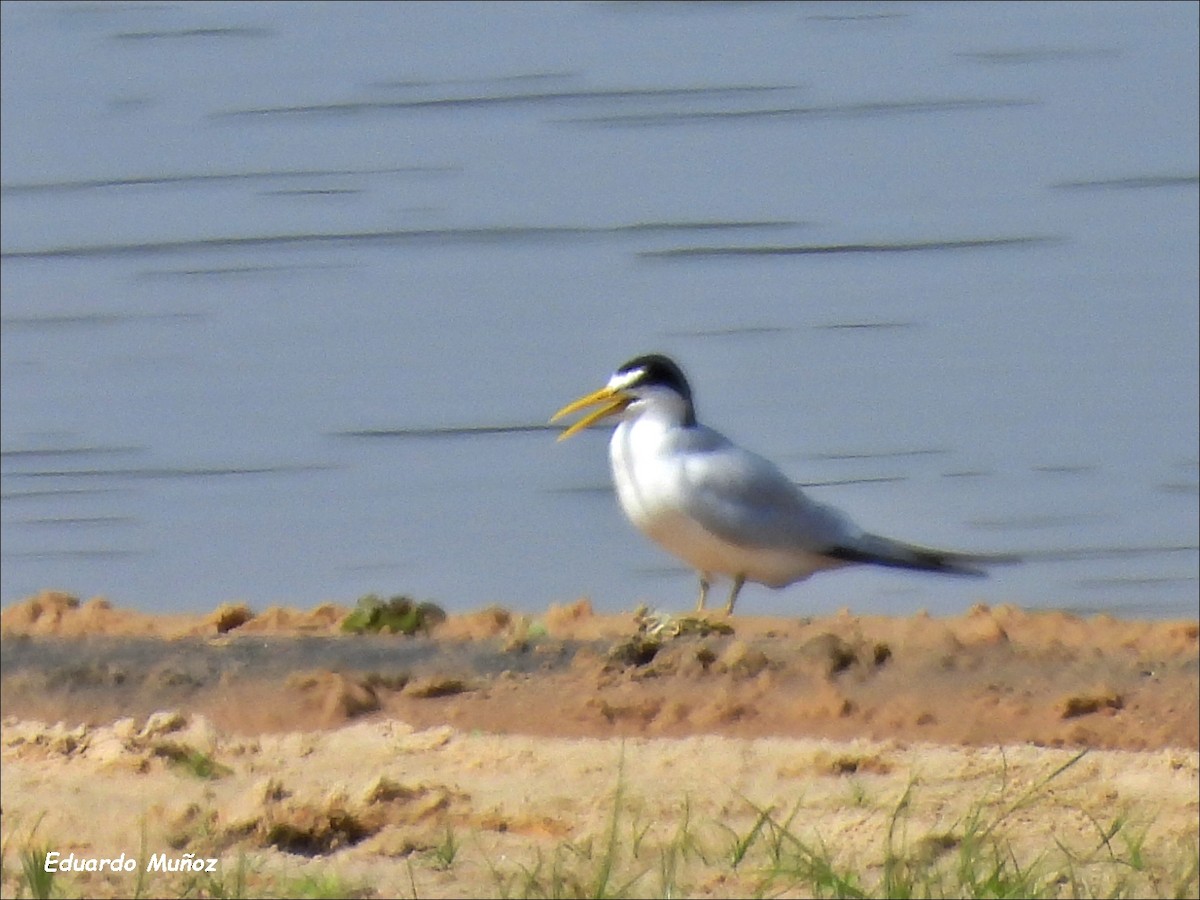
x,y
725,510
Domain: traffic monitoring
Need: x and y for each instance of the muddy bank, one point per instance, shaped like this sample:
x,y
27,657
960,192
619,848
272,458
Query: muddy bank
x,y
990,676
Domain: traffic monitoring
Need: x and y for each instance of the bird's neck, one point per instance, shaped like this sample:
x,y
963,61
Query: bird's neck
x,y
644,436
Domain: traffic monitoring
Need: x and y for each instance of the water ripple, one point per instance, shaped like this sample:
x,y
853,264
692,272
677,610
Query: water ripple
x,y
389,236
354,107
1033,522
845,111
239,271
1074,554
878,454
192,179
446,431
192,33
864,326
10,496
170,472
75,521
816,249
1136,581
1038,55
75,554
730,331
92,320
1180,487
838,482
1132,183
1065,469
44,452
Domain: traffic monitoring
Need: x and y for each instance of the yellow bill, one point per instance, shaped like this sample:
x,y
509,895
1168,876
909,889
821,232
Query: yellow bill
x,y
612,402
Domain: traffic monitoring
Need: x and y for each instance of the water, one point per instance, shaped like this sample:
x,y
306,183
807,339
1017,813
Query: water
x,y
289,292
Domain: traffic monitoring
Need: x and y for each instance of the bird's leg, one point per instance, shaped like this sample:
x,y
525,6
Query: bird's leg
x,y
737,586
703,598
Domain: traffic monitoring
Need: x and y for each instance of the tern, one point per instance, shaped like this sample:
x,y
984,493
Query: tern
x,y
720,508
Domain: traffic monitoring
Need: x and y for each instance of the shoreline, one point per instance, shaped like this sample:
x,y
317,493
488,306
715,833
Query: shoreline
x,y
990,676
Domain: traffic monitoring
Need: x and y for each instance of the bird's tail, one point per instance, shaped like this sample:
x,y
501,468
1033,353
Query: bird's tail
x,y
871,549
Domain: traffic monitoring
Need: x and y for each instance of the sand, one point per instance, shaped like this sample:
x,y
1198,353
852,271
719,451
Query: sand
x,y
494,754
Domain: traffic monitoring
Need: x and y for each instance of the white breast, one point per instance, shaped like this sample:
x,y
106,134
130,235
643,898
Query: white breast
x,y
648,477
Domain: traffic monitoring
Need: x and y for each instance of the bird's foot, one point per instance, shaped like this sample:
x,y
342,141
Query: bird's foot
x,y
733,594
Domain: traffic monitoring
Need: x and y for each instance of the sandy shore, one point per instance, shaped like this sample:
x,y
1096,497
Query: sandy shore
x,y
476,759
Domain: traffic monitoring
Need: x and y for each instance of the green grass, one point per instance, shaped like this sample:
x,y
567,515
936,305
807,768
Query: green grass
x,y
194,762
446,851
33,867
399,614
226,883
34,880
974,857
324,887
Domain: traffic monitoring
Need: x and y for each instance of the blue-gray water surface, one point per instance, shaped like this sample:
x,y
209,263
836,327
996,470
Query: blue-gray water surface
x,y
290,291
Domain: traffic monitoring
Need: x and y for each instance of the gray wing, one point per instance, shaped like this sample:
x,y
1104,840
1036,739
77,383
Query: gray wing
x,y
744,499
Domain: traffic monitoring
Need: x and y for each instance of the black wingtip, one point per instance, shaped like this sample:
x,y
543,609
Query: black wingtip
x,y
896,555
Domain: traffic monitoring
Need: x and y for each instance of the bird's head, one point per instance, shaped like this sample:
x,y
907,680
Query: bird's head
x,y
645,381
